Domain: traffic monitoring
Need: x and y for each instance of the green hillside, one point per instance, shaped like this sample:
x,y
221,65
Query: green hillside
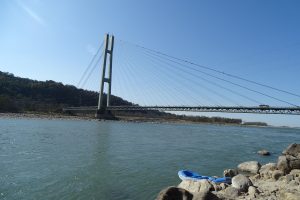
x,y
22,94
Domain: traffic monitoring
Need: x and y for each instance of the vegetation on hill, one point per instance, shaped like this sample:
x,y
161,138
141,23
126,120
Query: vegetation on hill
x,y
22,94
26,95
255,124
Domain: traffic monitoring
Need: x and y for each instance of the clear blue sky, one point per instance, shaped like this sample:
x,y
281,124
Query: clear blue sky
x,y
258,40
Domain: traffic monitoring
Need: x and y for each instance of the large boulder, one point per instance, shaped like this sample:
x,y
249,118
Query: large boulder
x,y
267,169
294,162
290,159
293,150
287,163
251,167
283,165
241,183
196,186
174,193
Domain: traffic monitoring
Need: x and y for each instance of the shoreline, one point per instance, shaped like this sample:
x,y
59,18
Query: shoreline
x,y
132,119
249,180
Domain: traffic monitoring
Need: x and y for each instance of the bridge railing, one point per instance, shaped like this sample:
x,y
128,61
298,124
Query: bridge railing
x,y
223,109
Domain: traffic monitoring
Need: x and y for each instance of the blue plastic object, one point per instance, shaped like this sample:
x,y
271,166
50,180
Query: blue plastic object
x,y
193,176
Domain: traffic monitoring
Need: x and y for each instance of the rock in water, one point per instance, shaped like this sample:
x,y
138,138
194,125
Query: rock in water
x,y
241,182
249,167
264,152
174,193
293,150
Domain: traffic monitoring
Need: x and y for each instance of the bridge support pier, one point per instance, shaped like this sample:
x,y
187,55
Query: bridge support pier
x,y
107,54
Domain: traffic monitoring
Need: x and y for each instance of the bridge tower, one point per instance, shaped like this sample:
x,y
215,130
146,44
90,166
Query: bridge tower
x,y
107,54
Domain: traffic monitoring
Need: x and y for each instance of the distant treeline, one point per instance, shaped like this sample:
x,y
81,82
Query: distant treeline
x,y
255,124
173,117
26,95
22,94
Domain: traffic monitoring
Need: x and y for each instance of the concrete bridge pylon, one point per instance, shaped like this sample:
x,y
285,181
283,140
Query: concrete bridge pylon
x,y
106,76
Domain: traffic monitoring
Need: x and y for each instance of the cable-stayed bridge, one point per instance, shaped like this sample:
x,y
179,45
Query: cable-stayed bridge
x,y
151,80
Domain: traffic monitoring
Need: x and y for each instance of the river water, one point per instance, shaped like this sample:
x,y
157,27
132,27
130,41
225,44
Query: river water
x,y
73,159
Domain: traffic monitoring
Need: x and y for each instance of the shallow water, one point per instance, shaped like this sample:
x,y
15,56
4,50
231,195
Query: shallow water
x,y
65,159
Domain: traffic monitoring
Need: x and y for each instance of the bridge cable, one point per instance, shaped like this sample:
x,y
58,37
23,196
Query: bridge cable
x,y
212,69
89,65
213,83
162,83
202,86
129,74
236,84
188,88
92,70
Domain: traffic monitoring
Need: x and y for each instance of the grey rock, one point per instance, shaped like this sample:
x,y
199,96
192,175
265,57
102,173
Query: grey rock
x,y
174,193
206,186
230,172
289,178
267,169
205,196
231,193
283,165
294,162
293,150
223,186
293,183
196,186
289,196
295,172
252,191
216,187
191,186
277,174
241,182
264,152
249,167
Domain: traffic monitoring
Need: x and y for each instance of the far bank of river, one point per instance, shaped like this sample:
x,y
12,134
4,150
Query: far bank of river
x,y
133,119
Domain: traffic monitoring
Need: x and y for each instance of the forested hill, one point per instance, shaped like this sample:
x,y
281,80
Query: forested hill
x,y
22,94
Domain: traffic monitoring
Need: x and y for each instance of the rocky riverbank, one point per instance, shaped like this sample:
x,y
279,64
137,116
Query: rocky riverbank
x,y
49,116
250,180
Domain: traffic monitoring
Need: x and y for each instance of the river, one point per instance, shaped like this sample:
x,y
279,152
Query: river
x,y
77,159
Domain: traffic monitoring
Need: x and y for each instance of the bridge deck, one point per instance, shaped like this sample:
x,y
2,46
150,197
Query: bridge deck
x,y
223,109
